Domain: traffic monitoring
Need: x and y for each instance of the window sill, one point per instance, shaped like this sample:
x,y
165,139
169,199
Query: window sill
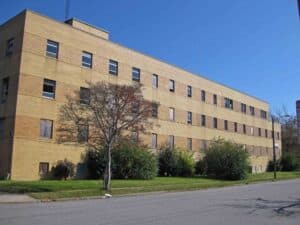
x,y
48,98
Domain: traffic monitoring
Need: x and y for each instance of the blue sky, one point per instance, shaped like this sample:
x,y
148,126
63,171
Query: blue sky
x,y
252,46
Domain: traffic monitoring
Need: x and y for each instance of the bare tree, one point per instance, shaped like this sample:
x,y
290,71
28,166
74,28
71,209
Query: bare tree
x,y
103,114
288,129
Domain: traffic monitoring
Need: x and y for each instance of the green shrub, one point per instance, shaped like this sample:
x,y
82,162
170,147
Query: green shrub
x,y
63,169
175,162
200,167
131,161
128,161
185,164
270,167
289,162
167,161
226,160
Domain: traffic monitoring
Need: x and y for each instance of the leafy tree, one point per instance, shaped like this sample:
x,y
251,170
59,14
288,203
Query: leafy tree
x,y
102,116
226,160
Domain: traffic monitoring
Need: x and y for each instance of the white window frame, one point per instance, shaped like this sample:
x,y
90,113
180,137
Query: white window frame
x,y
87,55
55,45
171,114
154,80
153,140
46,128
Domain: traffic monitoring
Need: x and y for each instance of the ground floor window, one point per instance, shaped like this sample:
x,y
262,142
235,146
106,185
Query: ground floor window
x,y
43,168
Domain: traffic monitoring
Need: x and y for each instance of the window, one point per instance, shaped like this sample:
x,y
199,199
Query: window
x,y
83,133
189,144
172,85
52,49
252,111
4,90
263,114
189,91
135,136
215,121
251,130
244,129
154,111
203,96
87,59
46,128
136,74
9,46
215,99
235,127
225,124
203,120
154,81
135,108
228,103
171,141
154,141
189,117
84,95
2,127
171,114
266,133
243,108
278,135
43,168
113,67
259,132
49,88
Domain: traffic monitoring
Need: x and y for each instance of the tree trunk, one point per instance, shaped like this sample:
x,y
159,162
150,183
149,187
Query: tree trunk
x,y
107,174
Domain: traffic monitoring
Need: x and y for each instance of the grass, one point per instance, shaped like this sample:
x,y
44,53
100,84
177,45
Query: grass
x,y
53,190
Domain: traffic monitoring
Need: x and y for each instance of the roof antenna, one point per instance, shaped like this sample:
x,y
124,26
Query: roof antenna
x,y
67,8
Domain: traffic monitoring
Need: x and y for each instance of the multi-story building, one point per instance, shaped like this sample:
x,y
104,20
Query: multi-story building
x,y
42,60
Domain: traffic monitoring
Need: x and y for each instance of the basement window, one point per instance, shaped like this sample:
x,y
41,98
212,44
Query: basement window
x,y
87,59
43,168
49,88
52,49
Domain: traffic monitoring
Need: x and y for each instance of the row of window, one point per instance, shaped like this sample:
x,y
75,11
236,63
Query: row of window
x,y
52,50
87,60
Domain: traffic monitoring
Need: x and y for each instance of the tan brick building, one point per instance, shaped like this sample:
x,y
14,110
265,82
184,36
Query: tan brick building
x,y
42,60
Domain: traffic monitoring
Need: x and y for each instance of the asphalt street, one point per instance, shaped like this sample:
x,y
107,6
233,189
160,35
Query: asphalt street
x,y
259,204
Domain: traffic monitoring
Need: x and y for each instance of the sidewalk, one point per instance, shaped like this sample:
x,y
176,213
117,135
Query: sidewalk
x,y
15,198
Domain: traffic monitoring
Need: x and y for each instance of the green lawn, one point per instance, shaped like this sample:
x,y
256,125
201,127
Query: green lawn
x,y
51,190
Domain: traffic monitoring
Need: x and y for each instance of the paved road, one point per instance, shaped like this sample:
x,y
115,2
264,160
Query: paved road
x,y
259,204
